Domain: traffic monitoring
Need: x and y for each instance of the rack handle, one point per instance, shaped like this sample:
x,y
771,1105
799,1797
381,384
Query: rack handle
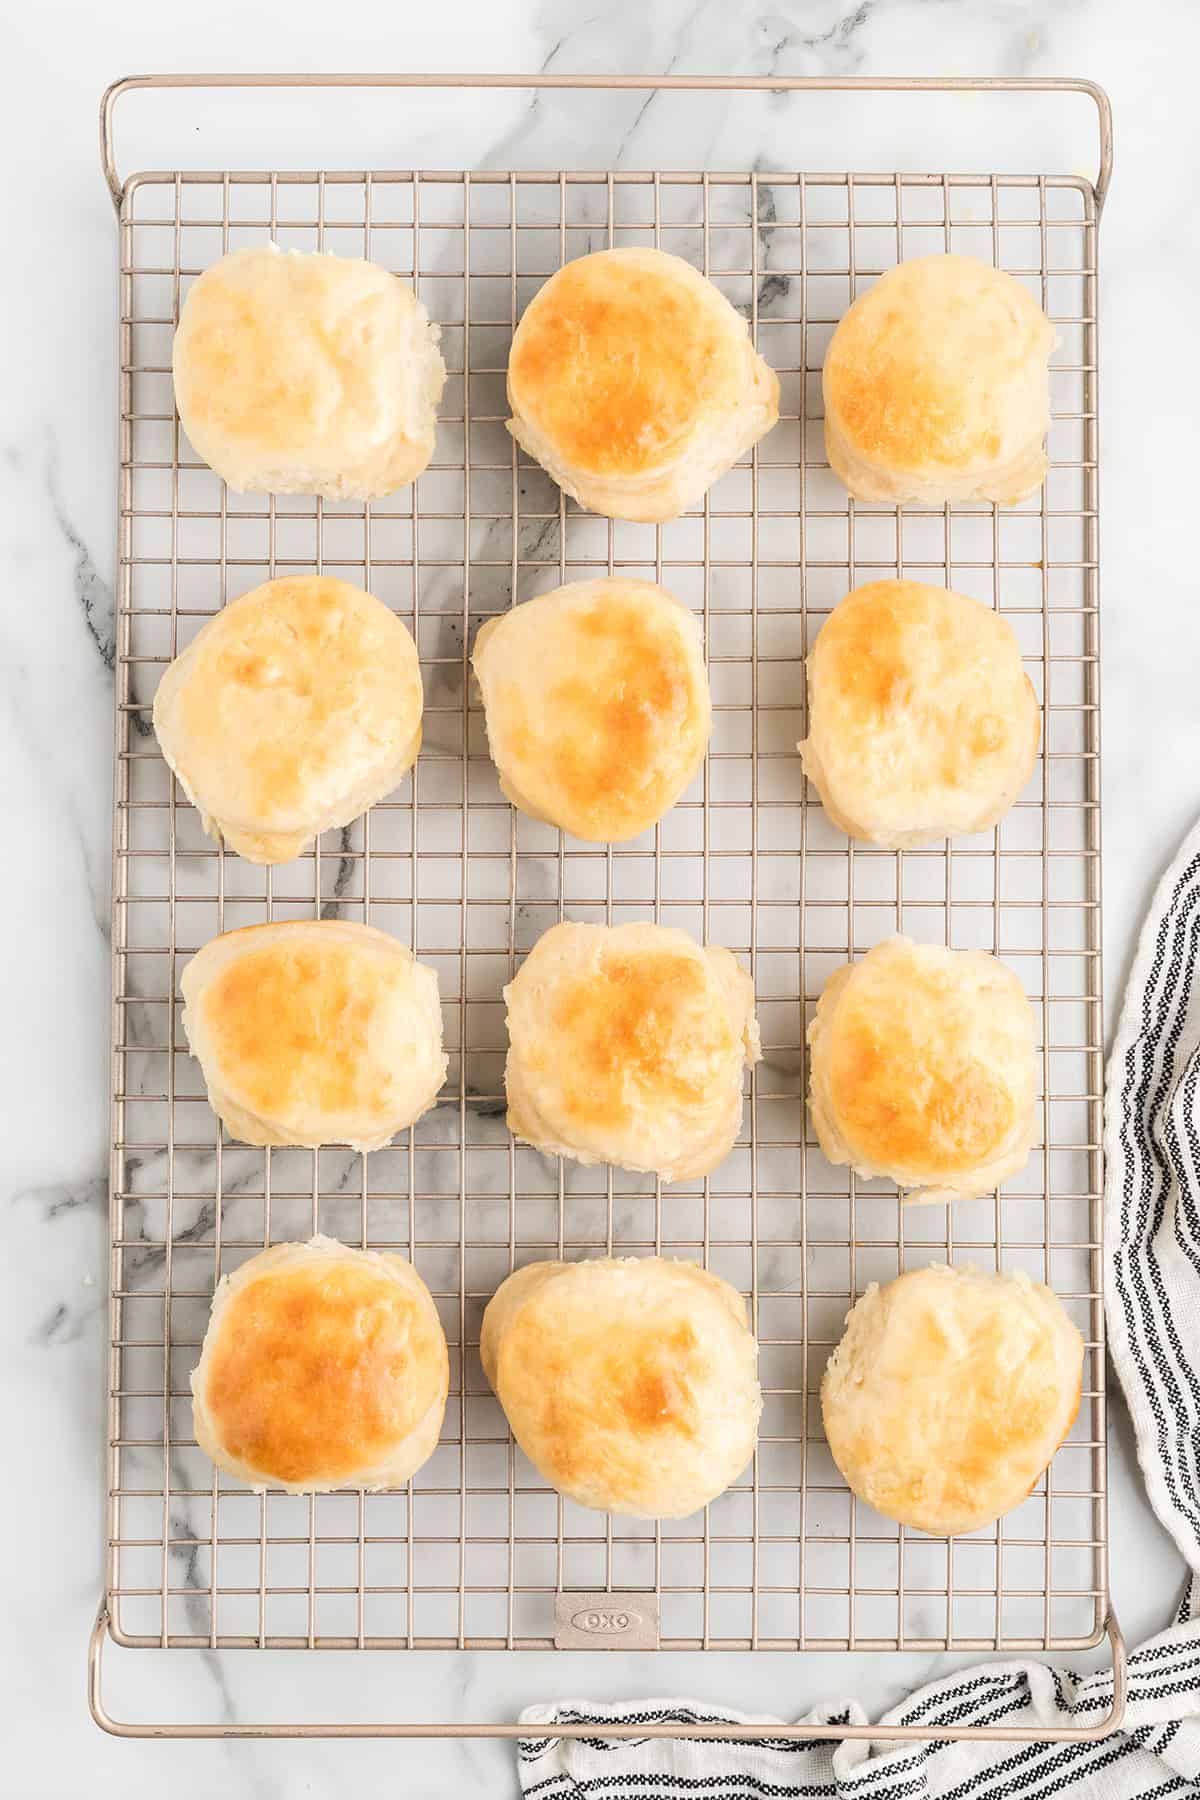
x,y
770,84
444,1728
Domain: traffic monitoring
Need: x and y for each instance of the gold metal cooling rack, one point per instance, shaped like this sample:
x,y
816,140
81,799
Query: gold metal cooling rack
x,y
477,1553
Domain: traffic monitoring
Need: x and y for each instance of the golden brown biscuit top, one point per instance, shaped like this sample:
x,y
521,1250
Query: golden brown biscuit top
x,y
608,1371
278,349
919,701
308,1028
949,1394
941,363
628,695
645,1385
927,1060
320,1370
619,355
645,1031
597,704
288,696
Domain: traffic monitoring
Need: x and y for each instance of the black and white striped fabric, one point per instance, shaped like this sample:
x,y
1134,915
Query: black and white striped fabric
x,y
1152,1207
1155,1757
1152,1295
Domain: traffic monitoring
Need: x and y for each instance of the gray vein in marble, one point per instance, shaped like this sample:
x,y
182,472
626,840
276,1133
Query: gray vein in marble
x,y
847,54
330,907
22,696
51,1330
538,536
529,120
683,34
489,1108
503,154
93,593
353,1161
838,48
184,1552
57,1201
65,1323
186,1558
771,287
537,542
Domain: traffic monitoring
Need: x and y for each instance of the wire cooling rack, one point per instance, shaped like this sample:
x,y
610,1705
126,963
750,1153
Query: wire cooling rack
x,y
477,1550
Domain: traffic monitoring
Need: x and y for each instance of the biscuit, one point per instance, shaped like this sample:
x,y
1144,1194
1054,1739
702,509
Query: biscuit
x,y
629,1383
627,1044
314,1031
322,1367
937,386
949,1395
597,706
922,1069
307,374
634,383
291,712
922,722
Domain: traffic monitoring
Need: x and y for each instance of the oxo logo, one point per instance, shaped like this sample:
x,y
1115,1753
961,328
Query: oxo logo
x,y
600,1620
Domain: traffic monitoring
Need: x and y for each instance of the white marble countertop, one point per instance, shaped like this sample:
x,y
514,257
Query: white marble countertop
x,y
56,553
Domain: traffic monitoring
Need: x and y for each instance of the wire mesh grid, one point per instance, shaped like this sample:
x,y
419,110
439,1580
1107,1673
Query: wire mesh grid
x,y
475,1550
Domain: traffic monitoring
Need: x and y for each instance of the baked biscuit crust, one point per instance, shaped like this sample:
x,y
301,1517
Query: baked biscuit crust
x,y
291,712
634,383
314,1032
630,1383
936,386
627,1044
949,1394
322,1367
922,1069
597,705
921,720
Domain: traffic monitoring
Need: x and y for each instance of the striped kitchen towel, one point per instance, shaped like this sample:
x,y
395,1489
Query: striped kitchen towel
x,y
1155,1757
1152,1293
1152,1203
